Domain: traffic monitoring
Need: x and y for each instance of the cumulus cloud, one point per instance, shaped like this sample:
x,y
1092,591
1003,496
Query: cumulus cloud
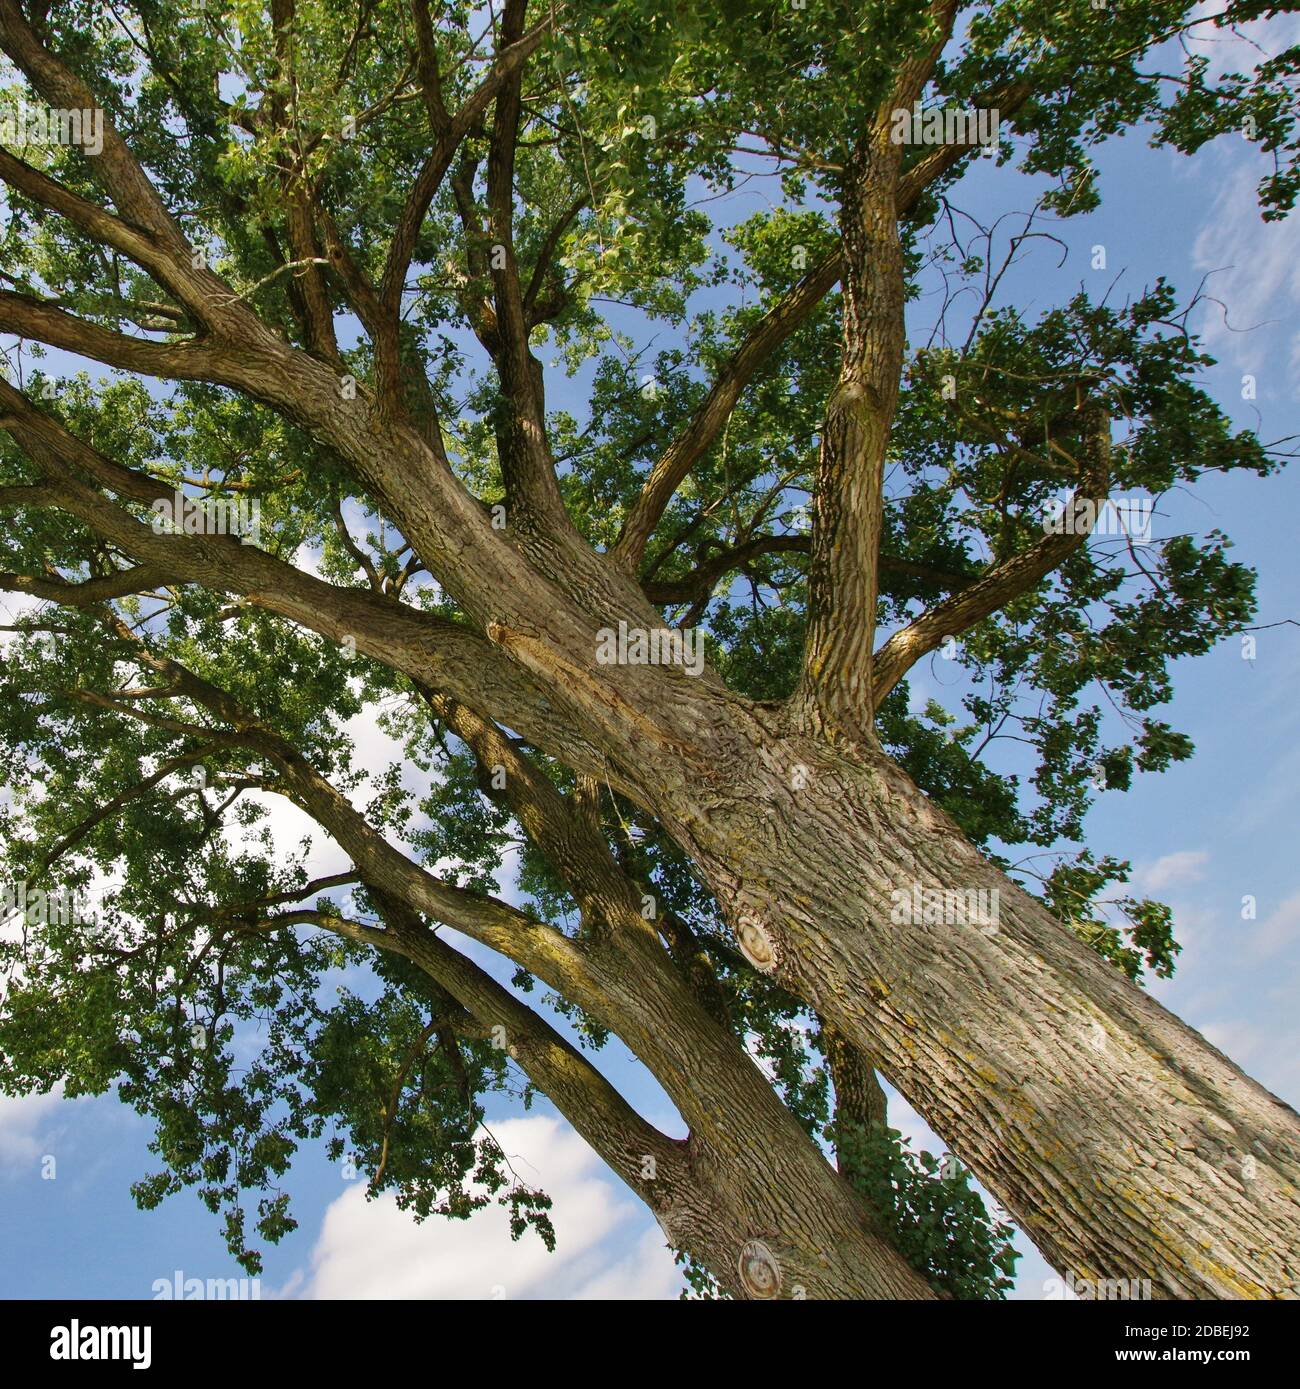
x,y
606,1245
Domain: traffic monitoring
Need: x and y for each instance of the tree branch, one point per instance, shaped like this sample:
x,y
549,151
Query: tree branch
x,y
704,426
144,229
526,463
28,317
429,179
702,580
762,341
439,652
577,1089
1005,581
142,578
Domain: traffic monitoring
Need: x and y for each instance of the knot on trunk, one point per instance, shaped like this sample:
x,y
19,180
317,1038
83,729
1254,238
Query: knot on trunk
x,y
756,942
760,1274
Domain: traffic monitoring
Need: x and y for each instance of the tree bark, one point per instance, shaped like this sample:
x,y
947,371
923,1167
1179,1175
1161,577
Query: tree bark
x,y
760,1195
844,576
1122,1142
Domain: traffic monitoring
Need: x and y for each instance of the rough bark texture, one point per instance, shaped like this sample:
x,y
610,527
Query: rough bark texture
x,y
1119,1138
747,1195
844,580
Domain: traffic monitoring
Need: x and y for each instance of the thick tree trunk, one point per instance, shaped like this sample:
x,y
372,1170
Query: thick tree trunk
x,y
757,1177
749,1190
1122,1142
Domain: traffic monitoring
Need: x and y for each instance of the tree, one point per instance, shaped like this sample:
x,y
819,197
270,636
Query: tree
x,y
321,248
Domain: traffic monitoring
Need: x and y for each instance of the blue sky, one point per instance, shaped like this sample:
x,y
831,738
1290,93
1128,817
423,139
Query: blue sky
x,y
1201,836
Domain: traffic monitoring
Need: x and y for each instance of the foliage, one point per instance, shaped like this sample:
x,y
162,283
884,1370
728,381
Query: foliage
x,y
930,1212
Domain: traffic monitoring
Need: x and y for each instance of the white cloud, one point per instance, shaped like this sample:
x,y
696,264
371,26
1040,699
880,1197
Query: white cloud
x,y
606,1245
1171,870
372,750
645,1271
1259,279
23,1120
1256,279
1243,47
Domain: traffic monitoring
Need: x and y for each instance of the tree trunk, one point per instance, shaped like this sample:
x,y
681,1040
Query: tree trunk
x,y
762,1180
1122,1142
748,1195
749,1189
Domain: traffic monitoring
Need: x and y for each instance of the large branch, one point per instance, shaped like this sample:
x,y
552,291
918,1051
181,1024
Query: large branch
x,y
434,169
115,167
859,1097
1006,581
763,340
834,697
527,466
587,1100
25,316
138,246
143,229
261,364
910,80
141,578
942,159
438,652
